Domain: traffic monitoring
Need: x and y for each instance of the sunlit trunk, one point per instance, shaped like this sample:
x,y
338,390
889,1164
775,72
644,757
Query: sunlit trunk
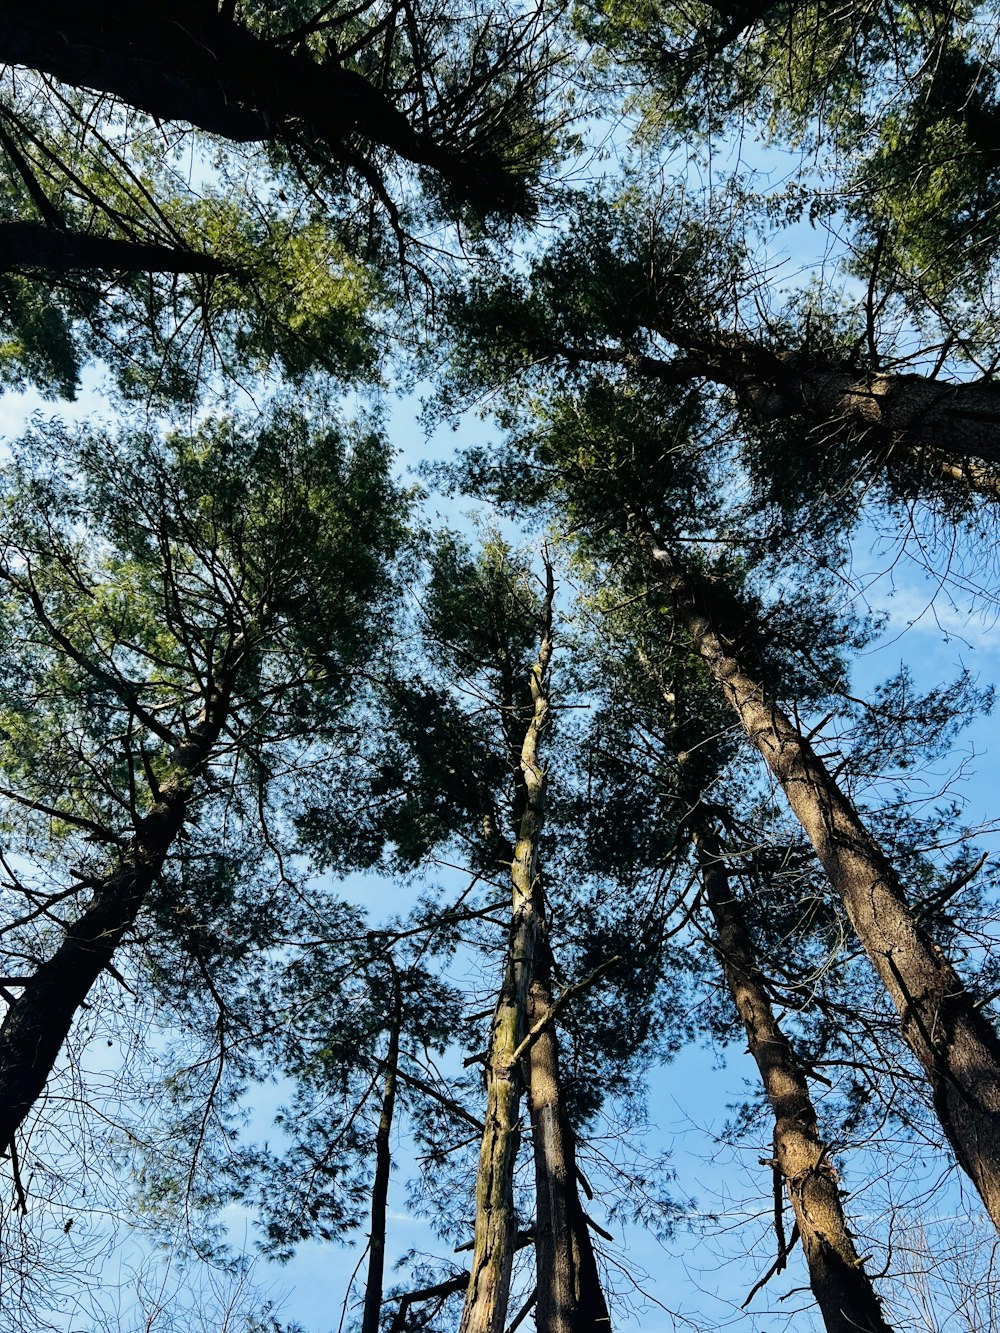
x,y
954,1043
843,1291
493,1247
568,1287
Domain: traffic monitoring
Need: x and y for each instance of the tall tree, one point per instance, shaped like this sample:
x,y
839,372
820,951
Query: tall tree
x,y
458,765
493,1250
942,1022
522,1051
842,1289
310,79
490,632
624,465
208,613
660,721
371,1316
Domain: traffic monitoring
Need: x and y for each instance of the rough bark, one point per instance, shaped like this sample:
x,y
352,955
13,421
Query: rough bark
x,y
189,62
38,1021
493,1247
524,1052
843,1291
568,1286
954,418
928,418
383,1165
951,429
953,1042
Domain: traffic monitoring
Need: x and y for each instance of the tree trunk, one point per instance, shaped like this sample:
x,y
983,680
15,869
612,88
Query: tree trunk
x,y
938,423
568,1286
955,1045
383,1165
38,1021
842,1289
30,246
950,429
186,61
959,421
568,1290
493,1247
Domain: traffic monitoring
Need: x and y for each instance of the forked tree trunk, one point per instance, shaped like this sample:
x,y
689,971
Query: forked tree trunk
x,y
383,1166
843,1291
38,1021
568,1286
954,1043
523,1048
493,1245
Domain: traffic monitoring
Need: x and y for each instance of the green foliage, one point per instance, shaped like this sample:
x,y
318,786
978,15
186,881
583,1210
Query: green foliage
x,y
623,268
441,766
295,302
928,194
286,294
38,346
375,721
135,566
790,66
899,728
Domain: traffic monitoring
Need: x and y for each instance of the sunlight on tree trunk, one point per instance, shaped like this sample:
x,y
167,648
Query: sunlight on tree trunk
x,y
842,1289
954,1043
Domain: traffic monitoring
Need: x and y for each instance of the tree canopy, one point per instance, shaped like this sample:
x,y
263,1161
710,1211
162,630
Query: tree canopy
x,y
366,864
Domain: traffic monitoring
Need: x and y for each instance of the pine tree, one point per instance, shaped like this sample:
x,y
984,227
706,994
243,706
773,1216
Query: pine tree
x,y
178,613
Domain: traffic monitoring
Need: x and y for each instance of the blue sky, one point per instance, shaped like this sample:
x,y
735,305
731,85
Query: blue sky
x,y
705,1272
